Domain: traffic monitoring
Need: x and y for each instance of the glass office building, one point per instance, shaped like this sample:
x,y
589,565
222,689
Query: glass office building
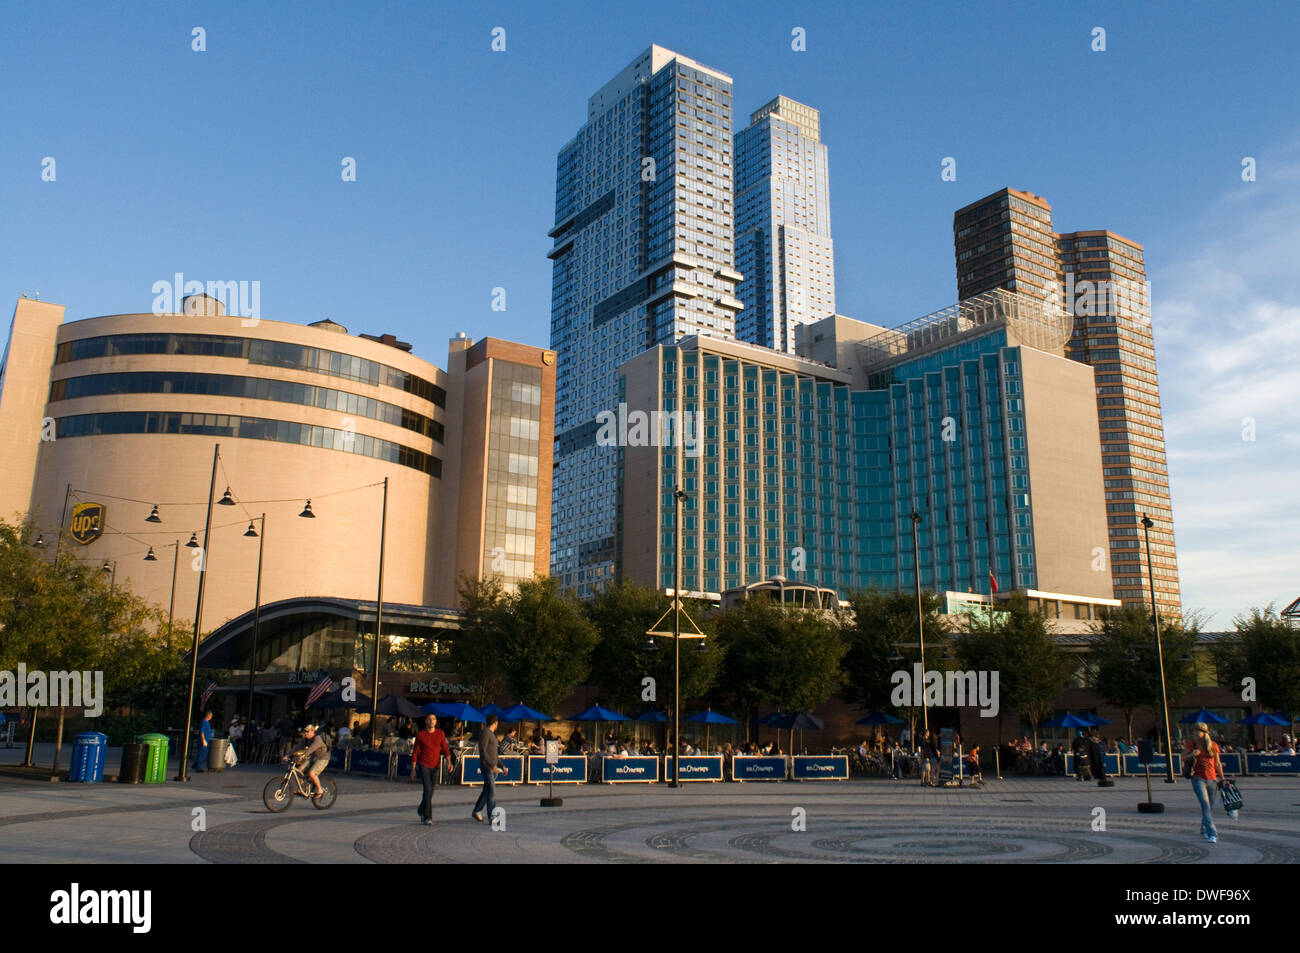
x,y
643,255
971,418
783,224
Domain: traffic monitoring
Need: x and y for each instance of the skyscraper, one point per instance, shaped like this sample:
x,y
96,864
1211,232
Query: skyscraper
x,y
1106,292
643,255
1007,240
783,224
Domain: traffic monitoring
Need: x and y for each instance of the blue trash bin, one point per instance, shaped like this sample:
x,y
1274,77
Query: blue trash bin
x,y
88,751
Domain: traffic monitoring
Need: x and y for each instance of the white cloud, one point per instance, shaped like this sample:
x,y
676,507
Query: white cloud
x,y
1227,327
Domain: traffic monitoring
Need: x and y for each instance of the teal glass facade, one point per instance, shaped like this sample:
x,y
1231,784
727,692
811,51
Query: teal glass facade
x,y
815,481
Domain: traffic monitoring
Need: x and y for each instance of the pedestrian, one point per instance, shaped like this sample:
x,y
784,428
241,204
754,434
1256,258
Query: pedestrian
x,y
1206,769
1079,748
205,739
428,753
488,765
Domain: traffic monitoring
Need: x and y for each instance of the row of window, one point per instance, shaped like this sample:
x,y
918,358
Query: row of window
x,y
255,351
252,428
257,388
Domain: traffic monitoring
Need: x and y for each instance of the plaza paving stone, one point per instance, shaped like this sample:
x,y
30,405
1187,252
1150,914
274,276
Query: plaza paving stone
x,y
1038,820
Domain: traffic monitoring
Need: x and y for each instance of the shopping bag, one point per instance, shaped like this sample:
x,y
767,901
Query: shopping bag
x,y
1232,799
232,759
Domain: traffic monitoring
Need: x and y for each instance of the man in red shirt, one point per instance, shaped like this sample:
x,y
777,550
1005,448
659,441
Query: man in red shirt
x,y
427,754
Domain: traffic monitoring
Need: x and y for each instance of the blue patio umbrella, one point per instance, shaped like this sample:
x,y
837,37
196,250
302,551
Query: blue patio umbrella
x,y
651,714
1068,721
801,720
520,712
397,705
769,719
1205,715
1098,720
492,708
598,714
879,718
458,710
709,718
1265,719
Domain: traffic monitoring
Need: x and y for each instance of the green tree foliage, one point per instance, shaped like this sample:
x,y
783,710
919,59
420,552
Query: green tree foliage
x,y
535,642
778,656
1018,644
1127,666
877,625
620,664
476,648
67,616
1266,649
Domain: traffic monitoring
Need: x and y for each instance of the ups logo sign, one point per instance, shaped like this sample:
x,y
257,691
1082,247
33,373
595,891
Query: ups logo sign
x,y
87,522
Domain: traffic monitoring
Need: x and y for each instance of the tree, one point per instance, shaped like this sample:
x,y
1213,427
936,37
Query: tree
x,y
65,616
779,656
620,664
545,641
1266,649
1127,664
1018,644
476,648
877,626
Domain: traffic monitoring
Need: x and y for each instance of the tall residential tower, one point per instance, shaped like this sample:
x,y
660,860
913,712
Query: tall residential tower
x,y
643,255
1006,240
783,224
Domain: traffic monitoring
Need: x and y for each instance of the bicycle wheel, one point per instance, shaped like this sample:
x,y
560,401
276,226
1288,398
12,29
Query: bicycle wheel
x,y
277,795
326,800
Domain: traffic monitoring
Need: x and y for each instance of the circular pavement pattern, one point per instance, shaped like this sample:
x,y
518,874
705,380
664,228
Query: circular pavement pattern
x,y
608,835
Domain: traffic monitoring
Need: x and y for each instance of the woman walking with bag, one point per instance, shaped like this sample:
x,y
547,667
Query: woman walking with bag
x,y
1206,769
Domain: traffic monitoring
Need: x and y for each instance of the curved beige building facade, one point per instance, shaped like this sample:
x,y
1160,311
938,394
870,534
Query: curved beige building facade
x,y
125,410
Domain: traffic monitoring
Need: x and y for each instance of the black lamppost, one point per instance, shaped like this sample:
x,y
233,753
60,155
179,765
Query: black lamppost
x,y
257,619
1160,655
920,617
379,612
676,609
198,617
171,608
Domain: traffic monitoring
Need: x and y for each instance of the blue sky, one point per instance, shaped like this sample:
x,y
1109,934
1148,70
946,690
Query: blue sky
x,y
225,165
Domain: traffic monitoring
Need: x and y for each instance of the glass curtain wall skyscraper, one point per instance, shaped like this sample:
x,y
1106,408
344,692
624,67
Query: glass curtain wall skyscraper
x,y
783,224
971,417
643,254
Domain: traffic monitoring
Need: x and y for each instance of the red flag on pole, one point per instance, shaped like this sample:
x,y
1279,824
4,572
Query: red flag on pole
x,y
993,583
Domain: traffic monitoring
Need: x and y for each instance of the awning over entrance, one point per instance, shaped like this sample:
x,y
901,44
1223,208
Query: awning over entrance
x,y
231,644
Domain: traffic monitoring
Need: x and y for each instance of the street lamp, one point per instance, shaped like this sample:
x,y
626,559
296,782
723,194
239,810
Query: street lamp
x,y
257,620
379,611
1160,655
171,608
198,618
676,634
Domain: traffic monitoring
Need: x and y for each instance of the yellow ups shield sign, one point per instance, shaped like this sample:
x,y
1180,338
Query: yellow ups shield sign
x,y
87,522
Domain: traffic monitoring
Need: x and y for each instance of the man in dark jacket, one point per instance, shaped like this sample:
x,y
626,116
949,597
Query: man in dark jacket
x,y
489,765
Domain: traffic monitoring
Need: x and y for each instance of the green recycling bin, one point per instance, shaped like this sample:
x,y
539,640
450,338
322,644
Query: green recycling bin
x,y
155,765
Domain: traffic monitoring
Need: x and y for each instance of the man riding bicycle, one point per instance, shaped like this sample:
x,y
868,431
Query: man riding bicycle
x,y
315,756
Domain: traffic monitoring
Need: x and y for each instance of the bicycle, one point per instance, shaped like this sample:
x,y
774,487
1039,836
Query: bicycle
x,y
279,793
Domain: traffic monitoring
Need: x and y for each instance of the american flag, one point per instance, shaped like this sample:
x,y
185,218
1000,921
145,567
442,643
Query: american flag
x,y
207,693
323,684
